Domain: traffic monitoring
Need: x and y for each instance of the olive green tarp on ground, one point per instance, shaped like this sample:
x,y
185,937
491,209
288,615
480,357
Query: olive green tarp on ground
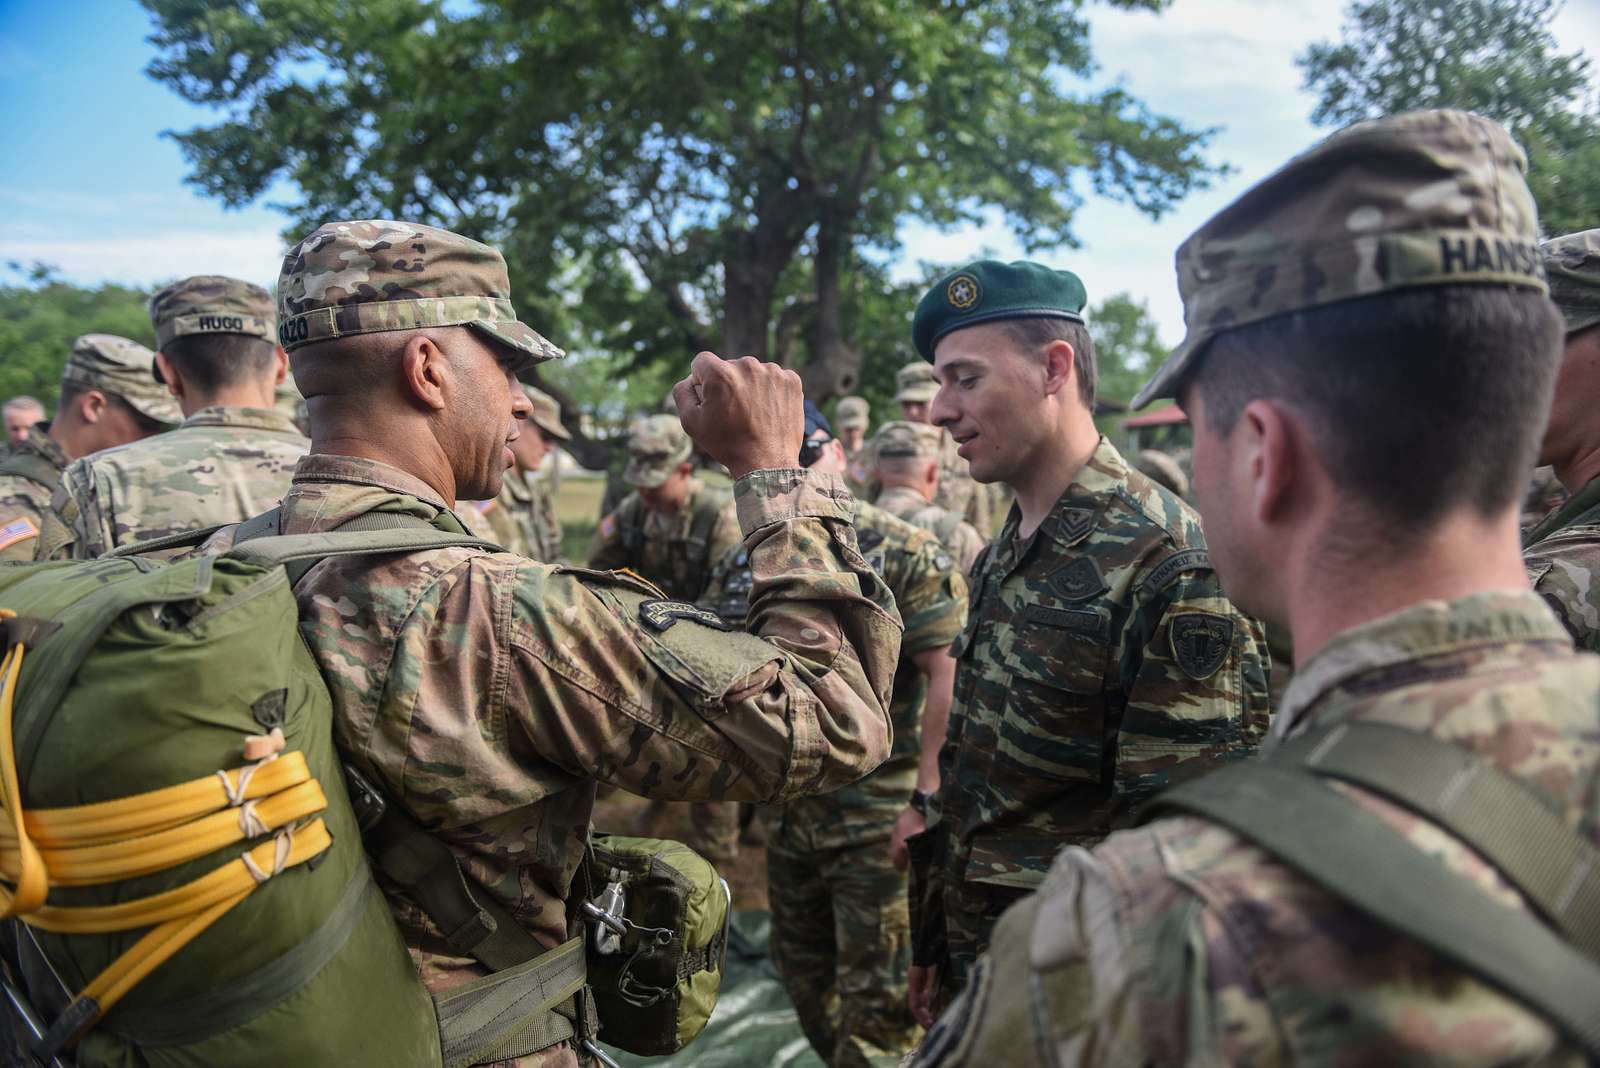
x,y
754,1023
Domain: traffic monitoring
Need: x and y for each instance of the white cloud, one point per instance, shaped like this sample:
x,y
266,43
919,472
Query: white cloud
x,y
1225,63
161,256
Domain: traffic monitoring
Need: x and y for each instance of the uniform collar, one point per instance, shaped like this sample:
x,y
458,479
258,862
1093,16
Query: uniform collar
x,y
1585,500
1099,480
328,491
516,485
246,418
1427,629
893,495
41,444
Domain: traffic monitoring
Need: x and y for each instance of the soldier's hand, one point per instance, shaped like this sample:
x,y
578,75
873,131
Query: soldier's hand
x,y
743,413
910,824
922,991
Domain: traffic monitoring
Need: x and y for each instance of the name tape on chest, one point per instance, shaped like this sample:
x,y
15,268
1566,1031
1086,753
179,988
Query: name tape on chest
x,y
1075,620
661,615
16,532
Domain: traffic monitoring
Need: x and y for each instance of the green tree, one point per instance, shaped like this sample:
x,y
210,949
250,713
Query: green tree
x,y
1496,57
1128,349
41,316
674,176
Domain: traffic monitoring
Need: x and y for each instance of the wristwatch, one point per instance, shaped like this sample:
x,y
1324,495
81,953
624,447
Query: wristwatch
x,y
920,799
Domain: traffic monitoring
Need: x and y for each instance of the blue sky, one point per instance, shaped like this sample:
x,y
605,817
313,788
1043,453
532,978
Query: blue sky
x,y
90,185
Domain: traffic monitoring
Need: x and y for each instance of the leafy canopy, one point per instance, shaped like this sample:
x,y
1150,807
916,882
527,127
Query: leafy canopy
x,y
41,316
681,174
1495,57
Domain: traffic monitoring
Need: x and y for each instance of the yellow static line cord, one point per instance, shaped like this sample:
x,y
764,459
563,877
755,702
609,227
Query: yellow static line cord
x,y
110,841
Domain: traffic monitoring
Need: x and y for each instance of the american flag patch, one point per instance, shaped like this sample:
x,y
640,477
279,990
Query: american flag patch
x,y
17,530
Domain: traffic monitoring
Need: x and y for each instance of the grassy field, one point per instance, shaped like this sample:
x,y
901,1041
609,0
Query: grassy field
x,y
578,509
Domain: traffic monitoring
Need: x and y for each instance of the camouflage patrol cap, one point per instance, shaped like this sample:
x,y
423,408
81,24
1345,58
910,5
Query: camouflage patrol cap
x,y
851,412
546,414
376,275
656,446
987,291
915,384
902,439
211,304
1572,264
1422,199
116,365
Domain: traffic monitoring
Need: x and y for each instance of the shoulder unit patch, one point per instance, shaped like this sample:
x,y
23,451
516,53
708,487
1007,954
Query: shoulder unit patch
x,y
662,614
1200,643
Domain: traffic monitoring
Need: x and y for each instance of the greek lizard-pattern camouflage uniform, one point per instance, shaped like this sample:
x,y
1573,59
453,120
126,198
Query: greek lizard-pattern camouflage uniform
x,y
1100,663
677,551
1180,943
840,926
487,693
25,500
222,465
953,532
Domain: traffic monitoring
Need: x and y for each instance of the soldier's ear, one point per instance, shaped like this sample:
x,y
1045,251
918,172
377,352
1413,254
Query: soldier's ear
x,y
425,372
283,367
167,374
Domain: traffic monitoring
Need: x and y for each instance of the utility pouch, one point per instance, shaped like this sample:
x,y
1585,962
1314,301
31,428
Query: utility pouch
x,y
657,918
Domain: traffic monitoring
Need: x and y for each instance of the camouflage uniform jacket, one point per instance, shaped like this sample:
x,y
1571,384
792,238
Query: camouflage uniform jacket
x,y
1562,555
221,465
955,533
1100,663
526,506
487,693
1179,943
932,598
676,552
24,496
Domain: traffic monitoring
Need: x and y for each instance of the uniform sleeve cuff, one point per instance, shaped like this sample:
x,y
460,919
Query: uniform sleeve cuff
x,y
777,494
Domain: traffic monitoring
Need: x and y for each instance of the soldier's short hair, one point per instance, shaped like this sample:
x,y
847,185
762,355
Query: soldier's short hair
x,y
218,361
1035,334
1420,401
71,391
22,403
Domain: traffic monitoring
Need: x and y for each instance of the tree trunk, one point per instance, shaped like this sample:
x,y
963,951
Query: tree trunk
x,y
746,307
835,366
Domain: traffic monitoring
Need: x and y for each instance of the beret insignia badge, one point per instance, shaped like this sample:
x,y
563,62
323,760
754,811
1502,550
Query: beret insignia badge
x,y
962,292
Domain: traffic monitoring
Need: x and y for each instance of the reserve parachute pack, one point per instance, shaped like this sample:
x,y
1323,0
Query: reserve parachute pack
x,y
658,915
178,842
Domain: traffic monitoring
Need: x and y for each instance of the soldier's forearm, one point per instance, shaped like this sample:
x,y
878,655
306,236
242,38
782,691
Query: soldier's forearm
x,y
814,596
939,668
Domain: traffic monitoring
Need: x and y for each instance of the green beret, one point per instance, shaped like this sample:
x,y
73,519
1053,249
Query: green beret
x,y
987,291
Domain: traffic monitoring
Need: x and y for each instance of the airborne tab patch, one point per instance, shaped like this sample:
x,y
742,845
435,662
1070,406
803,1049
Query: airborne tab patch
x,y
662,615
17,531
1200,643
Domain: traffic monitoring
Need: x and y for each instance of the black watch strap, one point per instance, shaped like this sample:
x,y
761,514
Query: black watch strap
x,y
919,800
